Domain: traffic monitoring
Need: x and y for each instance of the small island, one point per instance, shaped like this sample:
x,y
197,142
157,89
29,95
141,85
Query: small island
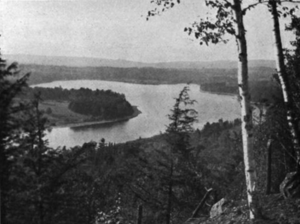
x,y
82,107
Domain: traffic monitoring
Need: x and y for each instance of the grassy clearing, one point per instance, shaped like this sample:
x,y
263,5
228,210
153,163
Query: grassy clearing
x,y
59,114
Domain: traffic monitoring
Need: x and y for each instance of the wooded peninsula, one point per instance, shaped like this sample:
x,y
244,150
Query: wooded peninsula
x,y
83,106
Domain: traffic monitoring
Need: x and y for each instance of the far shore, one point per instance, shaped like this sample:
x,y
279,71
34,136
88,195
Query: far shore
x,y
218,92
151,82
98,122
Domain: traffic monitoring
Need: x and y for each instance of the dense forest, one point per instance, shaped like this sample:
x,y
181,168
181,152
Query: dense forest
x,y
100,104
261,90
49,73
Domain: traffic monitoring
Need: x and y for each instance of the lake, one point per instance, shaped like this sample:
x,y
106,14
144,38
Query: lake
x,y
154,102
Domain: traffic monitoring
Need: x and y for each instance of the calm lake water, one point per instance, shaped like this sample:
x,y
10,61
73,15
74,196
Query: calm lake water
x,y
154,101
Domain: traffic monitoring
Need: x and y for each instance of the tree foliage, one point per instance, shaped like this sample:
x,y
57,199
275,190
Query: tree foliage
x,y
10,85
104,104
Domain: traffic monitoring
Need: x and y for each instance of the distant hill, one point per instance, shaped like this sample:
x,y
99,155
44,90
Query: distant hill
x,y
98,62
73,61
213,64
215,77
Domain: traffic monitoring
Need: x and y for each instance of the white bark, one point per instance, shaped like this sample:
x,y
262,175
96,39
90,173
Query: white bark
x,y
246,112
284,82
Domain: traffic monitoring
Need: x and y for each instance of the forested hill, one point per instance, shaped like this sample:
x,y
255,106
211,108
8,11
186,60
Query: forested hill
x,y
102,62
214,80
147,75
103,104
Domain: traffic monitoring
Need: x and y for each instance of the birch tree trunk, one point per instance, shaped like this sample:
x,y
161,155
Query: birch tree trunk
x,y
285,87
246,112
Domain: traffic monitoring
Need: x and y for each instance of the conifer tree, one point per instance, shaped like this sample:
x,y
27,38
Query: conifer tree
x,y
10,86
178,132
37,159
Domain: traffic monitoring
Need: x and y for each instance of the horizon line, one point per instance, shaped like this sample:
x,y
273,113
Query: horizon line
x,y
126,60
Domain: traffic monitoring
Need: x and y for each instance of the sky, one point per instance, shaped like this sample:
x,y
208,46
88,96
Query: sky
x,y
118,29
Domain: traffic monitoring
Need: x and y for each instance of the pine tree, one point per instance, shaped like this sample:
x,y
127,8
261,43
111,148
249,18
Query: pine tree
x,y
174,162
10,86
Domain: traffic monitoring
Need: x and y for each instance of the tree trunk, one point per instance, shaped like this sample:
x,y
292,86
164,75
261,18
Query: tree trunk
x,y
200,205
170,189
2,203
140,214
285,87
3,179
246,112
269,166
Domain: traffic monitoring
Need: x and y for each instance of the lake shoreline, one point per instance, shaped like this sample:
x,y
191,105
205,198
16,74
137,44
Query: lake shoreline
x,y
149,82
219,93
154,101
98,122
